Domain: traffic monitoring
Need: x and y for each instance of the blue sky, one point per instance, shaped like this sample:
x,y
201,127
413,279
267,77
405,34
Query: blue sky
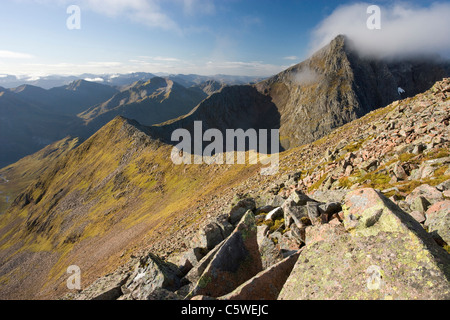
x,y
241,37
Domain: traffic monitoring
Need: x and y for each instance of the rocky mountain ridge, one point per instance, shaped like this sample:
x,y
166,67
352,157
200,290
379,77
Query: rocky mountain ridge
x,y
306,236
309,100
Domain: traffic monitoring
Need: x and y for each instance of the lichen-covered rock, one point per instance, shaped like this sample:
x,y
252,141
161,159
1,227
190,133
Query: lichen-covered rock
x,y
444,185
385,266
105,288
329,195
163,295
367,212
195,273
323,232
386,255
267,284
431,194
270,254
239,210
438,220
295,214
208,237
330,208
236,261
299,198
189,259
150,274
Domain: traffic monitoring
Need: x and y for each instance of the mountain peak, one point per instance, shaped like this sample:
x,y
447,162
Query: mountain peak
x,y
83,85
25,88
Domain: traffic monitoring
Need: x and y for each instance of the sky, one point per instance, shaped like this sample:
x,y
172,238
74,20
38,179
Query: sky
x,y
235,37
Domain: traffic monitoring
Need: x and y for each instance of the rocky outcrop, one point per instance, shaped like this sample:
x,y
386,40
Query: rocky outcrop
x,y
365,247
386,255
267,284
336,86
236,261
151,273
438,221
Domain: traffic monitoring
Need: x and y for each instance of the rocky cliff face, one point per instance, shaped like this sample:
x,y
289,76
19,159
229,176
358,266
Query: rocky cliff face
x,y
307,101
336,86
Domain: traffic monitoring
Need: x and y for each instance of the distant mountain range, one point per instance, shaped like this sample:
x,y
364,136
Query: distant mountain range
x,y
120,80
151,102
32,117
307,101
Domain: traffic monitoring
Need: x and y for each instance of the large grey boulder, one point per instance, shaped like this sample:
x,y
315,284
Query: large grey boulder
x,y
239,210
438,221
268,251
236,261
105,288
295,214
386,254
152,273
267,284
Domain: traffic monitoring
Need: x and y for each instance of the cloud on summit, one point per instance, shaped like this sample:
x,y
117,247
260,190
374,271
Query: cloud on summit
x,y
405,29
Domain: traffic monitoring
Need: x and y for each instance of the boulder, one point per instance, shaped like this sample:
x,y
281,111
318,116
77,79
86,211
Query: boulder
x,y
160,294
105,288
195,273
419,204
239,210
289,243
444,186
208,237
268,251
225,226
438,220
323,232
386,255
330,208
367,211
313,213
299,198
275,214
264,210
418,216
295,214
190,259
267,284
236,261
277,201
152,273
400,172
431,194
329,195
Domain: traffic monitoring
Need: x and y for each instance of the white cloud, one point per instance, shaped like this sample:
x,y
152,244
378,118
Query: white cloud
x,y
4,54
292,58
405,29
146,12
94,79
166,59
305,77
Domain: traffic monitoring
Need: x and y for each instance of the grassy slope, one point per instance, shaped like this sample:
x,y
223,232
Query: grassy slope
x,y
97,204
22,173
